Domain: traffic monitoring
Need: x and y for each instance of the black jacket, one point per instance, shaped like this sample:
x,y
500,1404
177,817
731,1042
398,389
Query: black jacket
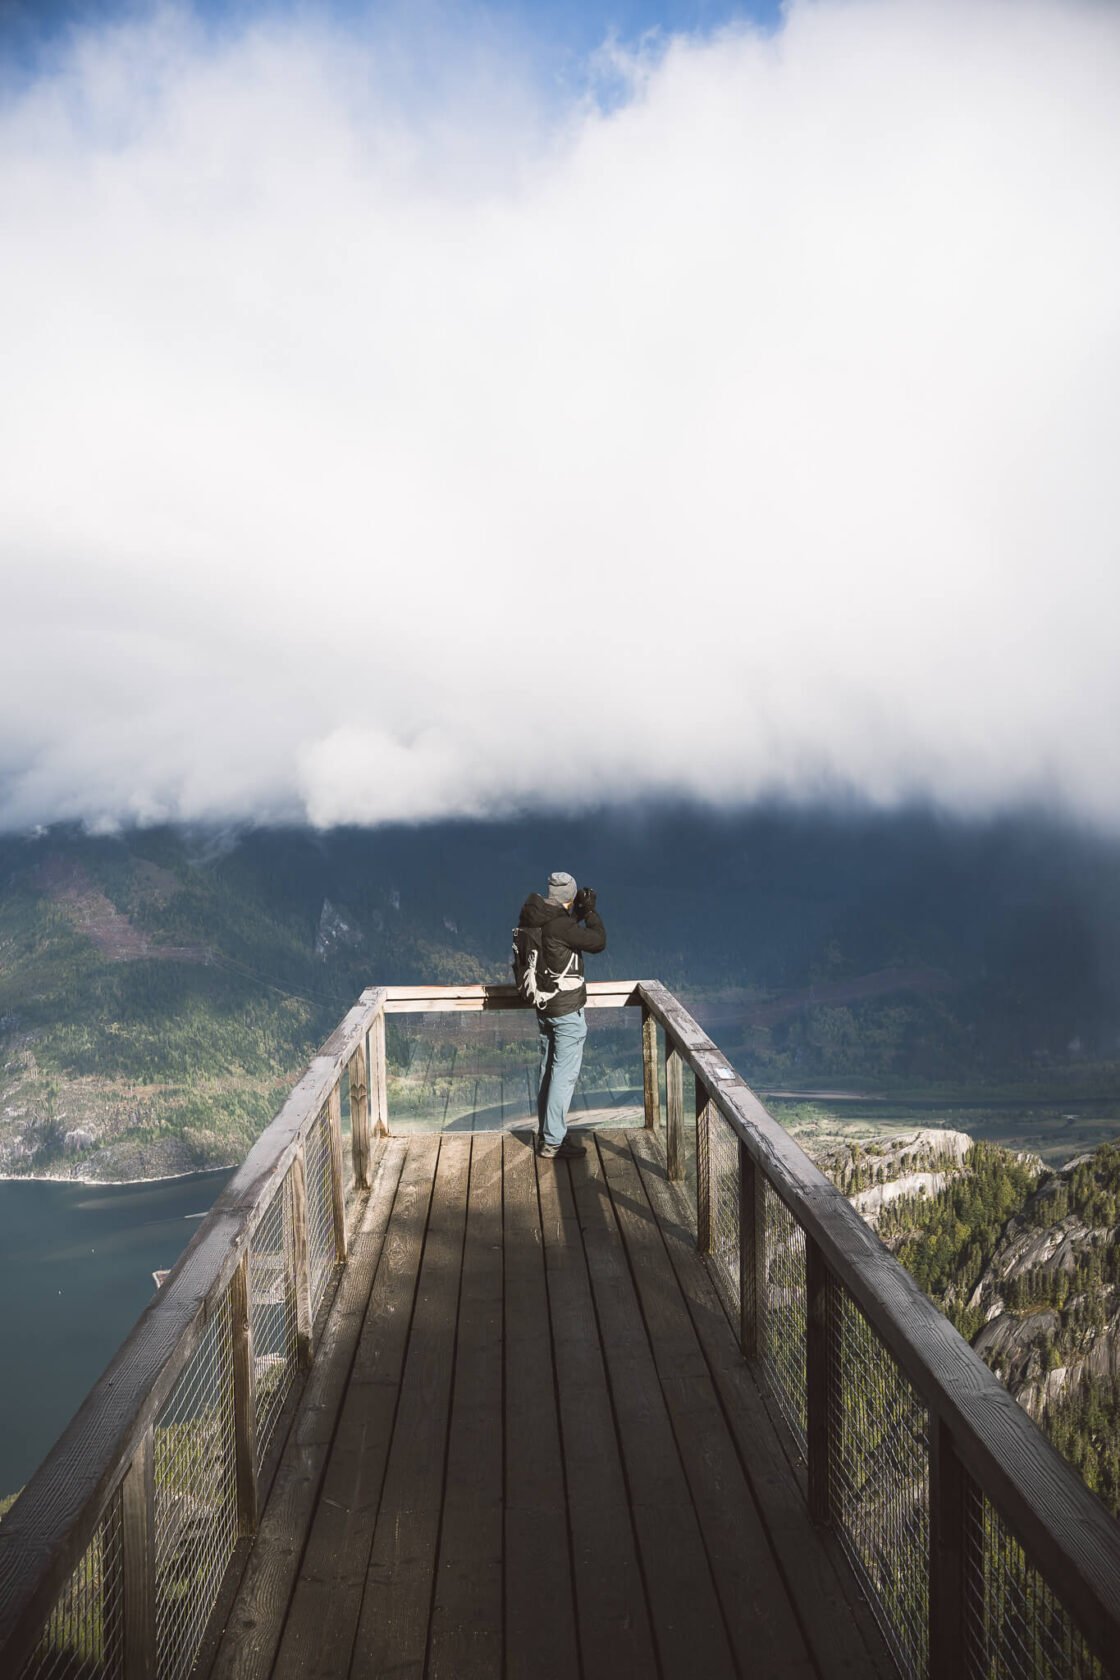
x,y
561,934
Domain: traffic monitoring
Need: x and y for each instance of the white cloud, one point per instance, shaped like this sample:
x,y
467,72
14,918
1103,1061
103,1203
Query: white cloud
x,y
371,457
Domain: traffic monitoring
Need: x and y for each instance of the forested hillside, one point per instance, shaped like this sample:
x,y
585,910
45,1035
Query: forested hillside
x,y
1026,1262
157,1002
159,989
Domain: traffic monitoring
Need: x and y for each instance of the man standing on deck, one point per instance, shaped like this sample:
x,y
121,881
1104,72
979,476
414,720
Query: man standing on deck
x,y
561,1021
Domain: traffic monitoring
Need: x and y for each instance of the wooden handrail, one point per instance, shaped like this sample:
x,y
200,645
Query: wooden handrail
x,y
425,1000
979,1438
1065,1531
46,1532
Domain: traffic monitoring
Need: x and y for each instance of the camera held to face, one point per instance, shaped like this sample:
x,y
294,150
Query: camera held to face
x,y
584,901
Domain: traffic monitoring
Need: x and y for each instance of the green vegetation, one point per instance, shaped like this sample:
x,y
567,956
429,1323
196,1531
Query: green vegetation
x,y
1084,1425
154,1010
1059,1309
156,990
945,1241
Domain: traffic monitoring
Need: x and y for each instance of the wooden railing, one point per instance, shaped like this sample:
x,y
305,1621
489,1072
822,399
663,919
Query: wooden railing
x,y
982,1553
113,1556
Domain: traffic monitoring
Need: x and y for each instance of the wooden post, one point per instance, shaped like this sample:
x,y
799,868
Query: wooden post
x,y
301,1257
752,1255
138,1552
819,1361
951,1549
650,1071
674,1111
244,1398
338,1188
703,1169
378,1074
358,1071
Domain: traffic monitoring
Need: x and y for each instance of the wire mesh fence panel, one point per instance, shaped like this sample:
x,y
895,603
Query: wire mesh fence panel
x,y
272,1312
784,1356
723,1178
1016,1627
348,1184
320,1209
879,1478
195,1497
688,1104
84,1635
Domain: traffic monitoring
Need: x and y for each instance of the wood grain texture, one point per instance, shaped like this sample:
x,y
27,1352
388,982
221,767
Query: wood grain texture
x,y
244,1398
138,1563
338,1186
252,1634
615,1635
760,1623
357,1070
651,1082
434,1000
379,1079
301,1259
674,1111
392,1635
573,1352
322,1619
540,1619
950,1558
684,1606
703,1171
752,1256
466,1635
50,1526
1065,1530
825,1599
821,1354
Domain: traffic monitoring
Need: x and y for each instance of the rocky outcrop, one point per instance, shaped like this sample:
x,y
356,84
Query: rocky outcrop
x,y
1039,1251
1051,1316
1021,1348
871,1202
918,1163
1048,1299
337,929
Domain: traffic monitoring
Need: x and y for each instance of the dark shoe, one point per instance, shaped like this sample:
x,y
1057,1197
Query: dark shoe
x,y
570,1150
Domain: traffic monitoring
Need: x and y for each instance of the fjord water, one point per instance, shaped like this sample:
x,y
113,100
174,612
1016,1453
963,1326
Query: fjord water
x,y
76,1264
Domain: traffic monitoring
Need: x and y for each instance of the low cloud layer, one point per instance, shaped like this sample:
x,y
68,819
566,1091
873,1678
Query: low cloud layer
x,y
372,455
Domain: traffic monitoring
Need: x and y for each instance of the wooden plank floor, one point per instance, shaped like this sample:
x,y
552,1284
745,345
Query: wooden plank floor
x,y
529,1447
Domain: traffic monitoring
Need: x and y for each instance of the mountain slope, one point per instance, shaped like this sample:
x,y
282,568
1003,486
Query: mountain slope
x,y
1027,1264
159,988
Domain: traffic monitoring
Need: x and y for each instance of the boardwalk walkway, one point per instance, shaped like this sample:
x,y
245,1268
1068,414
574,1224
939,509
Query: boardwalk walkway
x,y
529,1447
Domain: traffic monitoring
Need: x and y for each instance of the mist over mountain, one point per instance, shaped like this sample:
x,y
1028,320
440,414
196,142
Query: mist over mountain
x,y
1021,915
860,947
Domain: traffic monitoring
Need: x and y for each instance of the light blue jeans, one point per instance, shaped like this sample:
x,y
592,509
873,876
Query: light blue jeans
x,y
561,1058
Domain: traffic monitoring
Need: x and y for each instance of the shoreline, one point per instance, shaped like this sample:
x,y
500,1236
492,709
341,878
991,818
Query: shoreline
x,y
111,1183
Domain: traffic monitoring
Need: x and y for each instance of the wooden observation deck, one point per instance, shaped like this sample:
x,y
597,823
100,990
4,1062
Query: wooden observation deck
x,y
427,1405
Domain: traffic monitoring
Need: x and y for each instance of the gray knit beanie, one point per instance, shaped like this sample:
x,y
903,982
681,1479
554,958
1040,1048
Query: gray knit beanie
x,y
562,887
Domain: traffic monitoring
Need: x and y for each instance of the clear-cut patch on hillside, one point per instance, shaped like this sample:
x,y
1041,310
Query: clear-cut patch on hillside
x,y
67,884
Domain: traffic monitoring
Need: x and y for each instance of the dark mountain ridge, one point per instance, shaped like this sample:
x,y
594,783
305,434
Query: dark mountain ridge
x,y
158,988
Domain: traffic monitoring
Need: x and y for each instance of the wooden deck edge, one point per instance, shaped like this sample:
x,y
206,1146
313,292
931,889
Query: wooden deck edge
x,y
833,1648
249,1618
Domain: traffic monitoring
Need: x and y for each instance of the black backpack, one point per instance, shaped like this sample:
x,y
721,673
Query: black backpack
x,y
531,975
